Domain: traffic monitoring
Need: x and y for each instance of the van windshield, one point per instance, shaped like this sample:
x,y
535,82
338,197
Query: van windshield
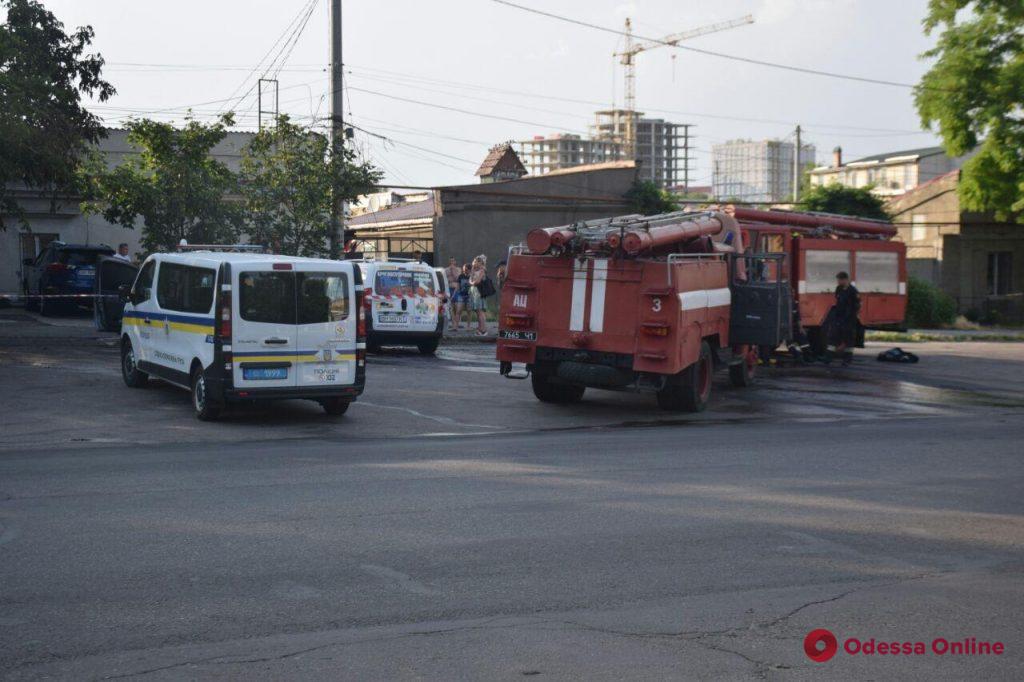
x,y
403,283
271,297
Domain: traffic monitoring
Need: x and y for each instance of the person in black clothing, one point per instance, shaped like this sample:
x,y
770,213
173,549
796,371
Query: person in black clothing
x,y
842,335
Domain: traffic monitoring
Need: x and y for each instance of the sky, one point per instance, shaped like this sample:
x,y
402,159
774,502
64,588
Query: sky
x,y
513,74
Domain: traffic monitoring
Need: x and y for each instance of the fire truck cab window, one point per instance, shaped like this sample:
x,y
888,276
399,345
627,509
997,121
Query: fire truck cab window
x,y
820,268
772,243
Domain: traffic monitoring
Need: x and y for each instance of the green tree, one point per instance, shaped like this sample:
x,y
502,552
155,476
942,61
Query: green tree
x,y
286,181
44,130
852,201
974,93
174,185
647,198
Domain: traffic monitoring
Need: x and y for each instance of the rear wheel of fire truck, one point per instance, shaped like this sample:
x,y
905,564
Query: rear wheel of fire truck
x,y
548,392
690,390
742,374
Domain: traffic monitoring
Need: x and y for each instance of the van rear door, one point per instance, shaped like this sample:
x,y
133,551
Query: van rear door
x,y
405,298
326,324
264,333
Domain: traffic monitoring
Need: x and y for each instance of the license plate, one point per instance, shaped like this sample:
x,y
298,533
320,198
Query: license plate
x,y
517,335
394,319
264,373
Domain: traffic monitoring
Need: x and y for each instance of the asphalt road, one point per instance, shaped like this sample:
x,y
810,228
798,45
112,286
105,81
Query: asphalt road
x,y
451,527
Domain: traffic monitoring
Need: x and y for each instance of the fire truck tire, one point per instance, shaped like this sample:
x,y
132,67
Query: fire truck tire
x,y
690,390
548,392
742,374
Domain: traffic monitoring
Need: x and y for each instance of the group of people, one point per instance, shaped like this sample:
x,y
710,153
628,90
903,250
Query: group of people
x,y
469,288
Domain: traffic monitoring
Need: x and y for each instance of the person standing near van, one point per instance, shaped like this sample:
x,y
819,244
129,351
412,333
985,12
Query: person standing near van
x,y
452,273
501,275
461,296
476,298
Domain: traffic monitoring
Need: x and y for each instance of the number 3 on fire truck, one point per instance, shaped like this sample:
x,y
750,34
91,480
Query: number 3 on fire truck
x,y
519,301
656,305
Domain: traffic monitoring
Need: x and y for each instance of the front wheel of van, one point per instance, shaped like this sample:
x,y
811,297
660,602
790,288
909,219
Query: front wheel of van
x,y
130,372
428,347
335,406
205,410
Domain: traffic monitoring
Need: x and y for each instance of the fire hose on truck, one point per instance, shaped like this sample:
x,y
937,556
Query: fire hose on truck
x,y
656,303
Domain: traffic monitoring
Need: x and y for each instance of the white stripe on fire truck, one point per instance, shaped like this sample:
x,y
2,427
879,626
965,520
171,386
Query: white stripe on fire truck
x,y
579,296
704,298
597,291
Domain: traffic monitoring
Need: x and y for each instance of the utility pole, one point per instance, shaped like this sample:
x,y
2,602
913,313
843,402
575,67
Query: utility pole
x,y
337,133
796,167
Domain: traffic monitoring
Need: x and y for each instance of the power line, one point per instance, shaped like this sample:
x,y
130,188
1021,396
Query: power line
x,y
294,25
409,144
710,53
463,111
368,72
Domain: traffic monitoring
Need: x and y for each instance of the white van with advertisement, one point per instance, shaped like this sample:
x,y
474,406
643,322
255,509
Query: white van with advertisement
x,y
240,327
403,305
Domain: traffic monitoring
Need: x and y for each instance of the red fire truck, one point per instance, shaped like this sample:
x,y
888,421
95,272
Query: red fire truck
x,y
656,303
817,246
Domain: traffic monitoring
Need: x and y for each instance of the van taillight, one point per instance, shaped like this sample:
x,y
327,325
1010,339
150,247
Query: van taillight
x,y
361,358
360,316
224,322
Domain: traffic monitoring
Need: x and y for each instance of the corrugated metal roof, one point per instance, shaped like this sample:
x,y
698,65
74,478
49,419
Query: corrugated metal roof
x,y
410,210
919,152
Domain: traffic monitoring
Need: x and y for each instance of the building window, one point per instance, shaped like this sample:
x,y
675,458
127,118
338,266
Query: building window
x,y
919,231
33,243
1000,273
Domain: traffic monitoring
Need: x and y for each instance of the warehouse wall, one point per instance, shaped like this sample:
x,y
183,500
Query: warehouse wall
x,y
475,219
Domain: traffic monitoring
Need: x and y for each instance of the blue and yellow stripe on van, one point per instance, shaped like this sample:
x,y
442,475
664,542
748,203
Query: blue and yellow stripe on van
x,y
296,356
194,324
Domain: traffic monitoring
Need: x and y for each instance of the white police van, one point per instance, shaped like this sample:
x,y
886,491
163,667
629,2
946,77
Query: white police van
x,y
237,327
403,304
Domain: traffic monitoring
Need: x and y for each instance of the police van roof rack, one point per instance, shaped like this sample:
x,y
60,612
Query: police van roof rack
x,y
242,248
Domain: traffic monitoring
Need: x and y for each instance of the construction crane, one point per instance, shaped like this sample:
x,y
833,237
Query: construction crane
x,y
628,59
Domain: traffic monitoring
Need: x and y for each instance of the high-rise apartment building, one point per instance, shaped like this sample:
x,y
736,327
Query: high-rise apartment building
x,y
661,148
756,170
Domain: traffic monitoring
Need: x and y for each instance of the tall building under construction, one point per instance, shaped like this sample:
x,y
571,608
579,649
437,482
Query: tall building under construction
x,y
756,170
662,148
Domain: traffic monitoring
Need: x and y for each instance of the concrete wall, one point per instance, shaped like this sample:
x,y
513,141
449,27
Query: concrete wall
x,y
965,261
950,247
474,219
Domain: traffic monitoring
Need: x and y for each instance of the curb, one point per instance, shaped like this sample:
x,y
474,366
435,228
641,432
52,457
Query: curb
x,y
468,340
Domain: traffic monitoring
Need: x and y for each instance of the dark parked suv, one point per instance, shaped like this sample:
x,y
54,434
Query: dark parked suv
x,y
62,270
